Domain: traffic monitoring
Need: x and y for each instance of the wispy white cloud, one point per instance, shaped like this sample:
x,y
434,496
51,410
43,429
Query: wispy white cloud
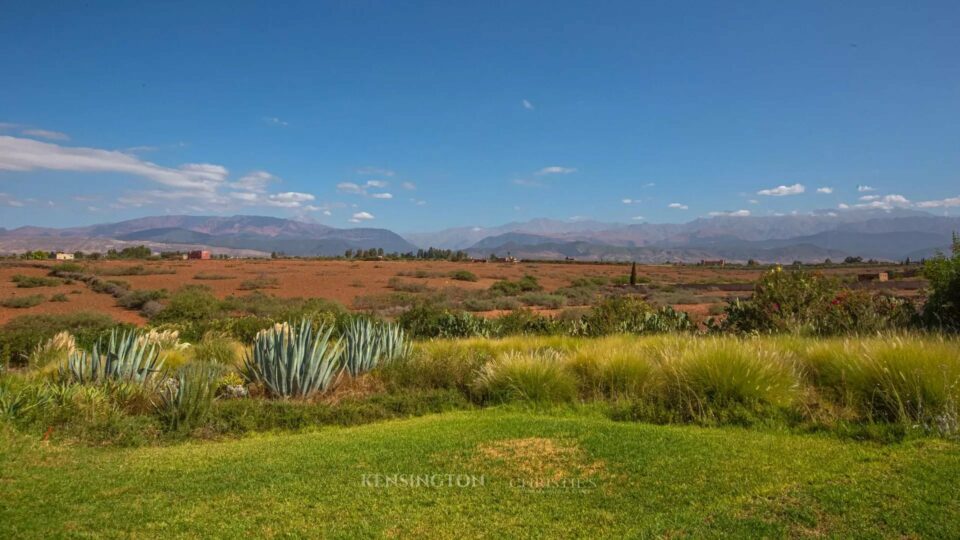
x,y
638,218
527,182
255,181
274,121
9,200
862,188
678,206
18,154
734,213
354,188
361,216
555,170
375,171
781,191
205,186
527,105
410,186
940,203
874,202
825,190
46,134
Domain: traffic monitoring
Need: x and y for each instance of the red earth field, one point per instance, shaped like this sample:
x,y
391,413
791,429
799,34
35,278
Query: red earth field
x,y
691,288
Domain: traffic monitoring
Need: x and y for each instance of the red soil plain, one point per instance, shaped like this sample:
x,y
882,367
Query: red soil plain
x,y
344,281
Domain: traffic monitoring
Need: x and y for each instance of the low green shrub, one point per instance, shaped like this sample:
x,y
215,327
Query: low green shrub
x,y
21,302
942,308
463,275
139,298
20,335
217,348
261,282
29,282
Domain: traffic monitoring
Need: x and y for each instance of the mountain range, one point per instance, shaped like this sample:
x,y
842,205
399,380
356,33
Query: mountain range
x,y
878,234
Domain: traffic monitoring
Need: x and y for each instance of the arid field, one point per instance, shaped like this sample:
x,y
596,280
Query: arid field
x,y
367,285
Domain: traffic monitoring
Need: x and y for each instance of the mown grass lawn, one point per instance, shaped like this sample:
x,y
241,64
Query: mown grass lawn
x,y
634,480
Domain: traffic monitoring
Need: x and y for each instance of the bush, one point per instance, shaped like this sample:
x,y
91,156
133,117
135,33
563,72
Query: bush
x,y
59,297
942,309
399,285
21,302
537,377
139,299
211,276
631,315
192,303
21,334
261,282
217,348
426,320
463,275
550,301
807,303
524,321
782,301
28,282
513,288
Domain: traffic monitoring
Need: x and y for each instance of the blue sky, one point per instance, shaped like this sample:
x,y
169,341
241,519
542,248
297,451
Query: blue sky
x,y
422,115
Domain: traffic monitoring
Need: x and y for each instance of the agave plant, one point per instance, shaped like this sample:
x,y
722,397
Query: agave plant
x,y
125,358
367,344
187,401
294,361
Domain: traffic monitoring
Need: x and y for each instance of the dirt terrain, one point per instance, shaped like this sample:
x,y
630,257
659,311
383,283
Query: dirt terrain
x,y
691,288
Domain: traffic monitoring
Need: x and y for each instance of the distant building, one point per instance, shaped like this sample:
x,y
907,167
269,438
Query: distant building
x,y
60,256
875,276
718,262
199,254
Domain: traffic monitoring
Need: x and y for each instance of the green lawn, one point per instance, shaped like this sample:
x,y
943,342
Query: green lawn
x,y
635,480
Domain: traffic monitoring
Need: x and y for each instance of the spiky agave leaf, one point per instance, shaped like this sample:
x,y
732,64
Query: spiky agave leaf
x,y
368,344
188,400
126,358
294,361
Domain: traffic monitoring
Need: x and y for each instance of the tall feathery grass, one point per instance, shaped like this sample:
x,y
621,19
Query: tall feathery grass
x,y
912,380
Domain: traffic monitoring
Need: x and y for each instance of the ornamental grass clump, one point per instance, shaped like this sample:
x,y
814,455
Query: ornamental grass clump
x,y
905,379
534,377
294,360
710,379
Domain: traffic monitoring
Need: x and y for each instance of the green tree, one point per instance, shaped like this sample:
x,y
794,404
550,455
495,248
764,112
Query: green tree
x,y
942,309
633,274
